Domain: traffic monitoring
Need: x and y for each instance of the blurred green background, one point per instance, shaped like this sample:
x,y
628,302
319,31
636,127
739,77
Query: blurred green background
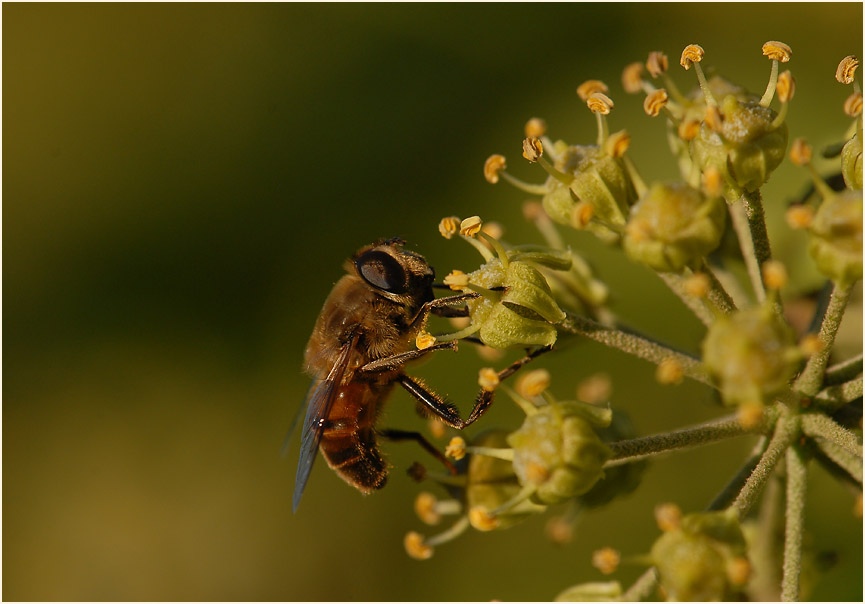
x,y
181,184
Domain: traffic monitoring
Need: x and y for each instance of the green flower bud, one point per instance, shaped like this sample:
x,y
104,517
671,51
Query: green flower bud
x,y
492,482
672,226
836,236
517,308
597,178
751,353
694,560
748,145
851,162
557,450
591,592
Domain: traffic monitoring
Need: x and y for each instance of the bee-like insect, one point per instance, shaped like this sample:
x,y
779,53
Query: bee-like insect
x,y
359,346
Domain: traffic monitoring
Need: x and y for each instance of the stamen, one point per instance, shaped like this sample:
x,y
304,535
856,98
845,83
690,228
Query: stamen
x,y
668,516
847,69
590,87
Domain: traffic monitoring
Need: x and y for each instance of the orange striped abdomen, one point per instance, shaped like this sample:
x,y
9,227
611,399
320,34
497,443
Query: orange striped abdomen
x,y
348,441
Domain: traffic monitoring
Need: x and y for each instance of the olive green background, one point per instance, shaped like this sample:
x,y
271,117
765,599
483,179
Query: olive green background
x,y
180,186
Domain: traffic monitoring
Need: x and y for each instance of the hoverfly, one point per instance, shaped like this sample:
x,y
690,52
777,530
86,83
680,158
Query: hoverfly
x,y
361,341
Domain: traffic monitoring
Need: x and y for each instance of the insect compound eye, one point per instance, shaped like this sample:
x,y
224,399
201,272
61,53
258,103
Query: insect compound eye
x,y
382,271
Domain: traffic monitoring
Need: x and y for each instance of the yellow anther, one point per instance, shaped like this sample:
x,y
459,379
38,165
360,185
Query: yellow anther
x,y
617,143
714,119
689,129
456,448
582,214
494,164
471,226
436,428
533,149
668,516
424,340
450,226
416,548
777,51
811,344
425,508
482,520
533,383
535,127
693,53
670,371
786,86
853,105
847,69
713,181
536,473
493,229
800,152
598,102
559,530
774,274
457,280
655,102
488,379
595,389
739,570
750,415
589,87
697,285
606,560
799,216
657,63
632,77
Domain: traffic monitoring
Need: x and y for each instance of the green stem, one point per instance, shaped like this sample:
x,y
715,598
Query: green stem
x,y
843,371
786,432
842,457
633,344
676,283
718,296
642,587
732,488
837,396
821,426
796,488
626,451
811,377
739,220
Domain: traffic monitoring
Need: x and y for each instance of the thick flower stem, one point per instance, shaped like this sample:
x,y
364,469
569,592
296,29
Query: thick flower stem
x,y
676,284
718,296
636,345
843,371
786,432
850,463
796,487
821,426
740,216
811,378
626,451
732,488
836,396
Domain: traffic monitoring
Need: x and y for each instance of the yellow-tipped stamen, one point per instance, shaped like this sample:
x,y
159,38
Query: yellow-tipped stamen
x,y
490,354
495,164
657,63
471,226
462,333
777,52
456,280
535,128
668,516
774,274
526,492
670,372
692,55
452,533
811,344
606,560
689,129
533,149
424,340
482,520
800,154
595,389
617,144
632,78
456,448
582,214
488,379
786,86
425,508
847,69
534,212
799,216
656,101
560,530
739,571
637,180
436,427
415,546
498,453
712,181
493,229
714,119
449,226
697,285
589,87
750,415
533,383
853,105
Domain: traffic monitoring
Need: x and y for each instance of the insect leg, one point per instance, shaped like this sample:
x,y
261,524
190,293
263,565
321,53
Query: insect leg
x,y
398,360
402,435
437,305
447,413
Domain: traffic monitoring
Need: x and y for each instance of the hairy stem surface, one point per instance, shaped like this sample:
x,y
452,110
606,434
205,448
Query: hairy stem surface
x,y
796,488
811,378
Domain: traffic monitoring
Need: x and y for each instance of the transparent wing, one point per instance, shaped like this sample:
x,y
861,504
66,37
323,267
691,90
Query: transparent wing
x,y
321,397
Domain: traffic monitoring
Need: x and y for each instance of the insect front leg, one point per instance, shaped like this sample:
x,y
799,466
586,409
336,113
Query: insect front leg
x,y
398,360
403,435
441,306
